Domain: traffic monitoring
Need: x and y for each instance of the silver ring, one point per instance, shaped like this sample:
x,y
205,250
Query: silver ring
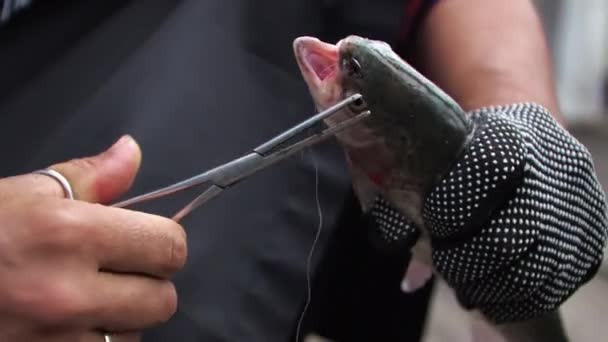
x,y
107,338
67,188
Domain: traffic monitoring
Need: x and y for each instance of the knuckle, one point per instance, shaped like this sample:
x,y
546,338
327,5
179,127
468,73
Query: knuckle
x,y
53,303
179,252
87,163
66,305
175,255
54,225
177,249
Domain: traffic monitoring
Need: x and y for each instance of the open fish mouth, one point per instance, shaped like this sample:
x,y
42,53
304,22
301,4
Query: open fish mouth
x,y
319,63
317,59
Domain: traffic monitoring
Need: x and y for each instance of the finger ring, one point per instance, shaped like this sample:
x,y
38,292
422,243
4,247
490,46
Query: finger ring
x,y
107,337
67,188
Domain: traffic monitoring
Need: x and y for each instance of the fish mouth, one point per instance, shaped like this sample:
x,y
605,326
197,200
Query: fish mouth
x,y
317,60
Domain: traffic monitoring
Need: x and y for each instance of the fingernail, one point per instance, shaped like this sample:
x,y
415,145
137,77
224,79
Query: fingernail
x,y
125,139
119,144
119,148
405,286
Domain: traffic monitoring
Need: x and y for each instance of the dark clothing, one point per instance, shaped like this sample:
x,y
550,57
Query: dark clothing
x,y
198,83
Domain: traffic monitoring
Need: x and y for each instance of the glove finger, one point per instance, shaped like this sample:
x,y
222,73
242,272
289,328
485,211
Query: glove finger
x,y
485,176
390,230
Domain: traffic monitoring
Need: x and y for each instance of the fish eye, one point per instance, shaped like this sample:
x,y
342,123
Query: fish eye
x,y
352,67
358,105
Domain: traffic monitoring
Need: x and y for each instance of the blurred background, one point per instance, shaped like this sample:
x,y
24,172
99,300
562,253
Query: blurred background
x,y
578,37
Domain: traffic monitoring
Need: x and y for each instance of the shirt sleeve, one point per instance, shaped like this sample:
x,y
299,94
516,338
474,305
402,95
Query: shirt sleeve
x,y
415,13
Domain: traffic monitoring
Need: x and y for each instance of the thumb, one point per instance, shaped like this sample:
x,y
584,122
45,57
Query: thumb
x,y
106,176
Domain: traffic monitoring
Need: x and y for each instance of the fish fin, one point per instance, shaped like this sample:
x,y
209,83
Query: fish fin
x,y
417,275
420,269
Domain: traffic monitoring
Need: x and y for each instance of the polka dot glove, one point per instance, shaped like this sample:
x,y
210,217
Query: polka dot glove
x,y
518,223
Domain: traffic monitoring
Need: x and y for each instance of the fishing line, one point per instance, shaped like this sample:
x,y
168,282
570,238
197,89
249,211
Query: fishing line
x,y
312,249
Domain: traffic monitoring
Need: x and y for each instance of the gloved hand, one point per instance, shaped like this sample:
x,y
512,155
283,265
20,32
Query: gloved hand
x,y
518,223
508,199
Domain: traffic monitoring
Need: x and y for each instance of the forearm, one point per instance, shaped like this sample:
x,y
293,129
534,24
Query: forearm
x,y
487,52
491,52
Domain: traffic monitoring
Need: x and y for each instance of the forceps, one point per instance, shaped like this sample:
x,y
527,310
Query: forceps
x,y
220,178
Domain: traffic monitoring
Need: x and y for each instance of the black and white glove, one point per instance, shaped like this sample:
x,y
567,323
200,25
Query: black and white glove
x,y
518,223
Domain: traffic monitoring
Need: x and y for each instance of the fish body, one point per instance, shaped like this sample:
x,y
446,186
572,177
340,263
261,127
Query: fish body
x,y
414,136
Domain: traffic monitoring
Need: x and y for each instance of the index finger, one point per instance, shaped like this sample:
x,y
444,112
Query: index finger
x,y
127,241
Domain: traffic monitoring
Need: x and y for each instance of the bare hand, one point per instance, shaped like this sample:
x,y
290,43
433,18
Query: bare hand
x,y
72,268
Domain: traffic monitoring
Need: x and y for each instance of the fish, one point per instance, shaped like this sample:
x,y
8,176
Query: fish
x,y
412,138
415,133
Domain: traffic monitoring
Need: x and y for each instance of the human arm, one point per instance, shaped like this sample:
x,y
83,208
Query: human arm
x,y
487,52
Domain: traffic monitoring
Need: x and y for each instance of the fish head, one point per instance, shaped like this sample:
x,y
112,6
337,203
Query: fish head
x,y
334,72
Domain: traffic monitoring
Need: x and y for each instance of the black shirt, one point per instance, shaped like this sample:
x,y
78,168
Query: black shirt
x,y
198,83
